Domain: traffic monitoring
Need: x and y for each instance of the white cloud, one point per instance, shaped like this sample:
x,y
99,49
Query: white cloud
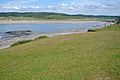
x,y
81,6
16,7
50,7
63,5
34,7
99,8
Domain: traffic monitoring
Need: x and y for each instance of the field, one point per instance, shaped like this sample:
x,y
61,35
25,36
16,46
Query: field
x,y
84,56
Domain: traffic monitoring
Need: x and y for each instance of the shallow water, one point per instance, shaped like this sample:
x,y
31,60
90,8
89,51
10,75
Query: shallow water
x,y
45,27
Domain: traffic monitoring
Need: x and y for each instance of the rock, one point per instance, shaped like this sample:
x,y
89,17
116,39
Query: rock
x,y
19,33
91,30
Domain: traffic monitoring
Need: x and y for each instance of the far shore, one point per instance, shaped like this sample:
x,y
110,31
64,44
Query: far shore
x,y
46,22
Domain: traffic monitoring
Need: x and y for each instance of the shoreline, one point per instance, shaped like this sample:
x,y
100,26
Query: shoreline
x,y
9,41
46,22
6,43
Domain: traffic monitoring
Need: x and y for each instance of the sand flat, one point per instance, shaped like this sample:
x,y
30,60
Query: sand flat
x,y
46,22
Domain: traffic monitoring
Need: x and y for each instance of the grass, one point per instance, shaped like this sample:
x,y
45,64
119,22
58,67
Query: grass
x,y
85,56
115,27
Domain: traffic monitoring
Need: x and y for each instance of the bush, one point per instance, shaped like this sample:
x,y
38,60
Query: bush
x,y
118,21
41,37
26,41
20,42
90,30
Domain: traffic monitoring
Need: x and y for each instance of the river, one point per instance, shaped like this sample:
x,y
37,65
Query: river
x,y
37,28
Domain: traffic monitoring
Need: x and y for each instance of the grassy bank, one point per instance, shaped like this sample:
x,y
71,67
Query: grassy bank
x,y
85,56
115,27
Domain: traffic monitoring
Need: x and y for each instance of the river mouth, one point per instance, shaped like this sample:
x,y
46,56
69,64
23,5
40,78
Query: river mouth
x,y
39,28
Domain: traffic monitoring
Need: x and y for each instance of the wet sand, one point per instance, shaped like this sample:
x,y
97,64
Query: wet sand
x,y
46,22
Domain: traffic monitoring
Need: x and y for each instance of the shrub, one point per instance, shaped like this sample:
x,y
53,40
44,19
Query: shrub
x,y
20,42
91,30
26,41
41,37
118,20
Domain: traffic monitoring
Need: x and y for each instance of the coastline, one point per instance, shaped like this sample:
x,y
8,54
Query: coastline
x,y
46,22
9,41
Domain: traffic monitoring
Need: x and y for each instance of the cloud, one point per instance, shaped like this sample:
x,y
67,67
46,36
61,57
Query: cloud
x,y
100,8
63,5
74,7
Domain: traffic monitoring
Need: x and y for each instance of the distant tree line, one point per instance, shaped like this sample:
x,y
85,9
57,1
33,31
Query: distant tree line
x,y
50,15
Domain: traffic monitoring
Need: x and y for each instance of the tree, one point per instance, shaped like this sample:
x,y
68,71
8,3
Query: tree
x,y
118,20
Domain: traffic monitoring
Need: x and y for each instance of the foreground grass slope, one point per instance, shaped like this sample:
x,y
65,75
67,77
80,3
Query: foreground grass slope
x,y
86,56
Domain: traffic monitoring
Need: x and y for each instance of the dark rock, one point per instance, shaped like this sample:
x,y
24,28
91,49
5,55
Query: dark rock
x,y
28,31
19,33
91,31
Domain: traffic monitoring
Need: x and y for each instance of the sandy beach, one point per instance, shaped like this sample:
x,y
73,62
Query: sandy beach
x,y
46,22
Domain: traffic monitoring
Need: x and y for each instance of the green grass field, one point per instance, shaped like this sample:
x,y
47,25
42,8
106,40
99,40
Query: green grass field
x,y
84,56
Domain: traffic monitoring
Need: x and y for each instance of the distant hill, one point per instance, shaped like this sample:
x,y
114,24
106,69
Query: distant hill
x,y
38,14
29,14
52,15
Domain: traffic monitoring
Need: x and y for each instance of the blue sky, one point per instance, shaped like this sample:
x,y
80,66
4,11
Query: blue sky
x,y
91,7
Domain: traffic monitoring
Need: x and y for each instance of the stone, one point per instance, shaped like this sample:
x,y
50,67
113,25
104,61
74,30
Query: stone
x,y
91,30
19,32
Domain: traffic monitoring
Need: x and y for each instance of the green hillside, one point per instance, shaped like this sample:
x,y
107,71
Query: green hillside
x,y
48,15
83,56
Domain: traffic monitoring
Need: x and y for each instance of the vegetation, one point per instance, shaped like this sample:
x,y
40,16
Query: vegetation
x,y
110,28
41,37
20,42
85,56
50,16
26,41
91,30
118,20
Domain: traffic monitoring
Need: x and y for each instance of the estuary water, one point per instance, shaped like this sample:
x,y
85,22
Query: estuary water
x,y
37,28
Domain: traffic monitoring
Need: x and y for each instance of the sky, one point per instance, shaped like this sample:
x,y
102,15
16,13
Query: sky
x,y
87,7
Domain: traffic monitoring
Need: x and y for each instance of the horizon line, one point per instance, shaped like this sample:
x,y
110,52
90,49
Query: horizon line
x,y
61,13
